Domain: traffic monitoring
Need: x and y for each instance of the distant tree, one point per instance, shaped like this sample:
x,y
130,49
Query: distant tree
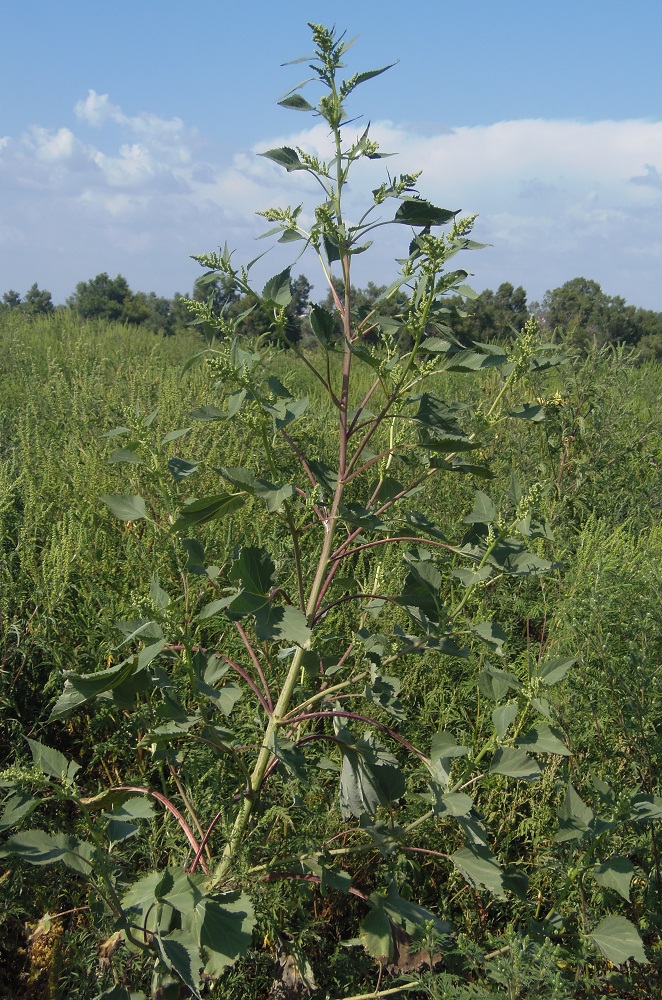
x,y
11,299
37,302
582,314
499,315
104,298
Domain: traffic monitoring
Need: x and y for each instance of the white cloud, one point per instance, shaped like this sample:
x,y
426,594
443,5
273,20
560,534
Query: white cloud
x,y
137,193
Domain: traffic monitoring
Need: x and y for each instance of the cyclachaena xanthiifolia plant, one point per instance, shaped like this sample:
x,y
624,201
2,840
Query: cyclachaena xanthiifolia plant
x,y
341,579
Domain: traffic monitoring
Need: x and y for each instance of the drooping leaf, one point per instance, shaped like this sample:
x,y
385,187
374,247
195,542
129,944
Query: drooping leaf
x,y
484,511
495,683
515,763
208,509
323,326
126,507
285,157
528,411
418,212
370,775
180,952
618,940
492,635
40,848
79,688
644,806
576,819
16,808
157,594
480,868
616,873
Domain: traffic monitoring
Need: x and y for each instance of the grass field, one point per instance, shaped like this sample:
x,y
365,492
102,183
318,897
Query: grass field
x,y
69,571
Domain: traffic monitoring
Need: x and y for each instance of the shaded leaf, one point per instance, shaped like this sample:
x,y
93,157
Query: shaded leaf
x,y
285,157
52,762
208,509
576,819
544,739
480,868
418,212
17,807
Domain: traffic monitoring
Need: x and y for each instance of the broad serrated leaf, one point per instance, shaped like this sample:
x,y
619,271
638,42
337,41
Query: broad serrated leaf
x,y
492,635
16,808
180,952
418,212
616,873
618,940
277,290
513,762
375,934
223,927
52,762
495,683
480,868
295,102
286,157
543,739
125,506
40,848
181,469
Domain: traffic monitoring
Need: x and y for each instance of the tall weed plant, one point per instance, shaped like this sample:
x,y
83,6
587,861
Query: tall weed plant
x,y
313,686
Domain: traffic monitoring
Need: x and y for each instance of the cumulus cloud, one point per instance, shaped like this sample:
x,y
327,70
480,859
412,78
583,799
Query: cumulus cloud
x,y
138,193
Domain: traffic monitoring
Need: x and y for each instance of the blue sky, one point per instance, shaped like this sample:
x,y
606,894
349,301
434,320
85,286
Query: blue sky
x,y
128,134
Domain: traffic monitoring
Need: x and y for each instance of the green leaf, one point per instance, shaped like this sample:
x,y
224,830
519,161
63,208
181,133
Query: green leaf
x,y
285,157
504,716
484,511
52,762
126,507
480,868
418,212
175,435
618,940
495,683
370,775
40,848
208,509
404,911
375,934
616,873
296,103
17,807
254,569
124,455
492,635
181,954
181,469
157,594
223,926
515,763
576,819
323,326
543,739
214,607
384,691
79,688
644,806
277,290
555,670
528,411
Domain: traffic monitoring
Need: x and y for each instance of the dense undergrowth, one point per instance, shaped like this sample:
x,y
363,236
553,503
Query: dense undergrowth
x,y
69,571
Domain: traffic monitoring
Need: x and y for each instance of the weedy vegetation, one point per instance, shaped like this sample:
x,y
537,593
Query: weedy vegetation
x,y
359,642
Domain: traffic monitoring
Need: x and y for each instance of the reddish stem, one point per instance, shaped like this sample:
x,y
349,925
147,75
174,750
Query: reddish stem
x,y
359,718
173,810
